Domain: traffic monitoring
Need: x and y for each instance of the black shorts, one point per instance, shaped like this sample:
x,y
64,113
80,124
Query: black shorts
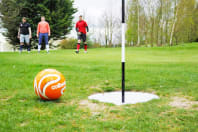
x,y
82,37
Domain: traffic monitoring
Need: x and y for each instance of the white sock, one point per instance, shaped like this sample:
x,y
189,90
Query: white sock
x,y
39,47
47,48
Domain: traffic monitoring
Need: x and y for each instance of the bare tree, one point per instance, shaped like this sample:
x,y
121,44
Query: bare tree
x,y
109,22
138,14
174,22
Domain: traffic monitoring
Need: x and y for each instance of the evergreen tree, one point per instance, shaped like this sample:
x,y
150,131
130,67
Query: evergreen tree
x,y
59,14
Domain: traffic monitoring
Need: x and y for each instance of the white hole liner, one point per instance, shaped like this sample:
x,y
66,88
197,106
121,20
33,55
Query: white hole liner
x,y
130,97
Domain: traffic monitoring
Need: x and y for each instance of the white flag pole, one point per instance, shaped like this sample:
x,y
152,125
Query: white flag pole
x,y
123,51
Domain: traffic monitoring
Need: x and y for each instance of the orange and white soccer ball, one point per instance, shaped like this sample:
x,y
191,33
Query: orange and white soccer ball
x,y
49,84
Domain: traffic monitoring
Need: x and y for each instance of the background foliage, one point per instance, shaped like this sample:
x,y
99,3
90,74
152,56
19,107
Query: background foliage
x,y
57,12
161,22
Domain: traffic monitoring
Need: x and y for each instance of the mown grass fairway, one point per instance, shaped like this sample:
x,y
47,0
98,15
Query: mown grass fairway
x,y
167,72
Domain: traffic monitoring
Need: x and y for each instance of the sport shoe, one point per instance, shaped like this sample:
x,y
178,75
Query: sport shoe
x,y
85,52
77,52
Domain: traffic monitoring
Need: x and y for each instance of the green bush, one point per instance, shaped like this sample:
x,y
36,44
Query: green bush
x,y
96,45
68,43
71,43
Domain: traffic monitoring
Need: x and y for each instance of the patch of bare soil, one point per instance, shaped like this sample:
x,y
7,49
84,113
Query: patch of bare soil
x,y
22,100
23,124
6,98
65,103
40,111
94,107
98,109
184,103
96,88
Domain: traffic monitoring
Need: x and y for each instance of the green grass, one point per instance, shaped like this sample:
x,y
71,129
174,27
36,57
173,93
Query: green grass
x,y
166,71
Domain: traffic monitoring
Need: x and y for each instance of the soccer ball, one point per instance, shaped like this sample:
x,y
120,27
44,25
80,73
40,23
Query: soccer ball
x,y
49,84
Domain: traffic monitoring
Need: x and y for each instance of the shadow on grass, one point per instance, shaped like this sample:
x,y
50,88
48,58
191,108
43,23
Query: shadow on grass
x,y
48,101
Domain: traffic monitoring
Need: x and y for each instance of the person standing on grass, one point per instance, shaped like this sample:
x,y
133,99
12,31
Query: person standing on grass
x,y
43,30
24,34
81,29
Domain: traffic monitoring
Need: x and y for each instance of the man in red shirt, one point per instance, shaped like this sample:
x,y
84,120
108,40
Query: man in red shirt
x,y
82,29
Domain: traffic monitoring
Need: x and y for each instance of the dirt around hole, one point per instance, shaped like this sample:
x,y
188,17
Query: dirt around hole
x,y
183,103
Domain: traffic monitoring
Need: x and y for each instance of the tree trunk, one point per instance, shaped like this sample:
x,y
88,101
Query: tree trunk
x,y
157,34
152,30
138,13
161,24
173,27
